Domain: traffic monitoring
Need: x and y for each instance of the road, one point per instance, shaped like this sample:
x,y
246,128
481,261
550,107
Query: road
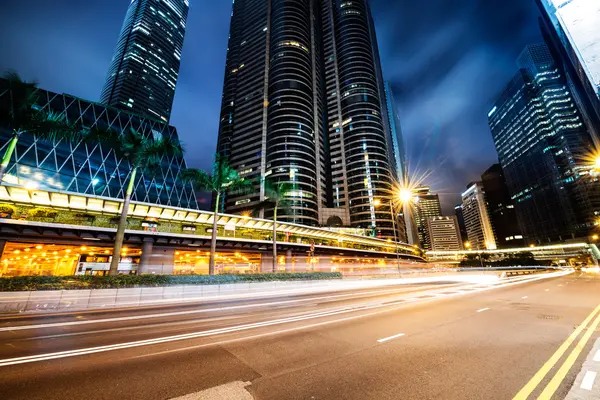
x,y
526,337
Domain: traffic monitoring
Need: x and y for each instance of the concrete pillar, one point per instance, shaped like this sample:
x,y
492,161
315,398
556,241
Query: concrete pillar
x,y
146,257
288,261
4,266
266,263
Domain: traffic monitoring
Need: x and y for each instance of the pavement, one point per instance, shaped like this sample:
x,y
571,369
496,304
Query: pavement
x,y
519,338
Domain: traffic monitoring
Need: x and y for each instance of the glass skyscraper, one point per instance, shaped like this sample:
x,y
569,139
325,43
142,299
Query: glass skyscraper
x,y
90,168
544,148
571,30
304,102
145,66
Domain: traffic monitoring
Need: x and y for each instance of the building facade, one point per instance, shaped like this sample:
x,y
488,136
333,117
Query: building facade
x,y
398,149
477,220
444,233
304,102
91,169
426,205
544,149
571,30
458,212
145,65
501,209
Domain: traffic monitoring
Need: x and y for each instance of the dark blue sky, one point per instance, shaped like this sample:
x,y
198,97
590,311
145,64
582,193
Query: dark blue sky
x,y
447,61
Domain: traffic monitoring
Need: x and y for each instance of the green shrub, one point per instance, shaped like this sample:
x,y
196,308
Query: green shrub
x,y
43,213
7,209
25,283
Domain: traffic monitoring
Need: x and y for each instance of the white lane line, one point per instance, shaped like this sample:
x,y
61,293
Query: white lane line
x,y
597,356
238,328
390,338
588,380
547,290
524,297
483,309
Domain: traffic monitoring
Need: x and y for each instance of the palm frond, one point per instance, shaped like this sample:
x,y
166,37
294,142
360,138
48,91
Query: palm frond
x,y
23,97
152,151
54,127
199,179
109,138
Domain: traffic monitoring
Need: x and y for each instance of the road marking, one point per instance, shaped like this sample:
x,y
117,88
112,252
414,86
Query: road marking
x,y
238,328
588,380
390,338
524,297
539,376
547,290
568,364
483,309
597,356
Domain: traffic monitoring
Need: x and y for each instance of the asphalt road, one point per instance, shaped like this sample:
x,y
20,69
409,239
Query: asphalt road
x,y
437,341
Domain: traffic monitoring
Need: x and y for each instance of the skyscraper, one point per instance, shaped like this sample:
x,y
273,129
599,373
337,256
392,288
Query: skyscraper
x,y
398,149
298,106
145,66
572,30
427,205
477,220
543,147
460,218
501,208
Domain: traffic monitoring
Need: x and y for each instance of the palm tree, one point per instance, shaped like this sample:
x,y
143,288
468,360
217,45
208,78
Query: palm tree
x,y
142,154
22,117
276,194
224,178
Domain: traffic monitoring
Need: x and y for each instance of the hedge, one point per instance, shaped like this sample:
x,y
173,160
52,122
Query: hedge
x,y
26,283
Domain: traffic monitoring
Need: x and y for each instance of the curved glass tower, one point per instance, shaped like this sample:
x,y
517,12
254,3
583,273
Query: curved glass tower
x,y
304,102
145,65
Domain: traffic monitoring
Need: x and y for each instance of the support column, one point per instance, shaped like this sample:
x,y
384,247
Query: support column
x,y
2,246
146,256
288,261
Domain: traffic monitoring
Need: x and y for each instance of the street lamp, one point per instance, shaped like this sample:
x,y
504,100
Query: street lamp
x,y
594,237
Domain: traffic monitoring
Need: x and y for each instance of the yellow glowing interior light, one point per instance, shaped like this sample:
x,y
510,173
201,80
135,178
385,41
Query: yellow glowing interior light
x,y
55,252
83,248
67,250
27,250
17,251
595,237
106,251
177,253
39,246
376,202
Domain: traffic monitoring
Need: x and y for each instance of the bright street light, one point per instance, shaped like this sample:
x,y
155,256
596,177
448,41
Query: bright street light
x,y
405,195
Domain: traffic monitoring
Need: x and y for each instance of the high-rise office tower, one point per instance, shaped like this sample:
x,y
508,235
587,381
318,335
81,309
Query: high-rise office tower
x,y
398,149
443,233
477,221
458,212
543,147
571,30
304,102
426,205
145,66
501,208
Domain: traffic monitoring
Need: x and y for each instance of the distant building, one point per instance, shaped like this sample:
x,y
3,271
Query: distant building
x,y
477,220
427,205
145,66
458,212
544,149
398,149
443,233
501,209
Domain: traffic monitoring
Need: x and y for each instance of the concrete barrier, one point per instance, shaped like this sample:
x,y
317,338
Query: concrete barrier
x,y
63,300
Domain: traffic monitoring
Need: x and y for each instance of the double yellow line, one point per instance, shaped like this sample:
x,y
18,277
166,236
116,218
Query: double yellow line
x,y
550,389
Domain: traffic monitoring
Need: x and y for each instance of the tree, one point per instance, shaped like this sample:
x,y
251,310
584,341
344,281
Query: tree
x,y
142,154
23,117
276,194
224,178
